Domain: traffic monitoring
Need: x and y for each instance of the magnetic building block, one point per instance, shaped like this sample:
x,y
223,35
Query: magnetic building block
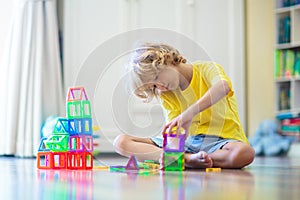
x,y
173,151
173,161
81,143
79,109
57,143
80,160
43,146
52,160
62,126
71,144
81,126
173,142
213,169
78,105
76,94
132,164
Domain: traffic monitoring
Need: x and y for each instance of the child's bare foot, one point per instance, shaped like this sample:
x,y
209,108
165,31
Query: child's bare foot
x,y
198,160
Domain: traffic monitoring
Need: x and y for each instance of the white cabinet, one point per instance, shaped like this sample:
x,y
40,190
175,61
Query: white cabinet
x,y
95,52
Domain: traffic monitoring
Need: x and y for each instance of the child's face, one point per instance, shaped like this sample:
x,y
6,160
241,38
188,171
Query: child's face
x,y
167,79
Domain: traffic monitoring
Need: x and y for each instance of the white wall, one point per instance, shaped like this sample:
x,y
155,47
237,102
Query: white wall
x,y
216,25
260,62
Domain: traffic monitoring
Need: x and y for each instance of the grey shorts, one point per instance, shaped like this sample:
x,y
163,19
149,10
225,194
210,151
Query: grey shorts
x,y
201,142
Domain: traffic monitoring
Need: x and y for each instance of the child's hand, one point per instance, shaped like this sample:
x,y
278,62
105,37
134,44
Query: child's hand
x,y
183,120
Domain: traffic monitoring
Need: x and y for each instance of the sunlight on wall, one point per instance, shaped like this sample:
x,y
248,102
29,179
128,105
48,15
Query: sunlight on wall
x,y
260,41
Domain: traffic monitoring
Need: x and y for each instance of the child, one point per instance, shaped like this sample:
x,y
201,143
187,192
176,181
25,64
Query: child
x,y
197,97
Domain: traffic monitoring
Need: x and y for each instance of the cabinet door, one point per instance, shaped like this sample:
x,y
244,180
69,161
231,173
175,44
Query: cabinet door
x,y
85,25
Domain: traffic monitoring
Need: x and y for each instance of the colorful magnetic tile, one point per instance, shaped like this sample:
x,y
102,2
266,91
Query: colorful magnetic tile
x,y
78,143
151,161
43,146
74,109
143,166
132,164
62,126
75,143
80,160
76,94
146,165
101,168
86,109
173,161
173,142
117,168
86,126
79,109
52,160
81,126
57,143
60,160
45,160
213,169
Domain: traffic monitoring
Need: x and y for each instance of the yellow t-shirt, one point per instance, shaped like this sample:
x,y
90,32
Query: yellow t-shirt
x,y
221,119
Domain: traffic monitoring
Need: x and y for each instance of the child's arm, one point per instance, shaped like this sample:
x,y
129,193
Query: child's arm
x,y
212,96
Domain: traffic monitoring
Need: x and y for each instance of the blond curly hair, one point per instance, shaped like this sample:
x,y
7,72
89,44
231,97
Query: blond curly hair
x,y
147,61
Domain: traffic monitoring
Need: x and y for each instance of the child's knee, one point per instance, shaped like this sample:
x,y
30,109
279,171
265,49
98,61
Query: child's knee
x,y
243,156
120,142
250,154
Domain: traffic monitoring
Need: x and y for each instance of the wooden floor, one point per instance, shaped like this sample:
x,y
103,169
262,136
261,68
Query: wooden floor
x,y
267,178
